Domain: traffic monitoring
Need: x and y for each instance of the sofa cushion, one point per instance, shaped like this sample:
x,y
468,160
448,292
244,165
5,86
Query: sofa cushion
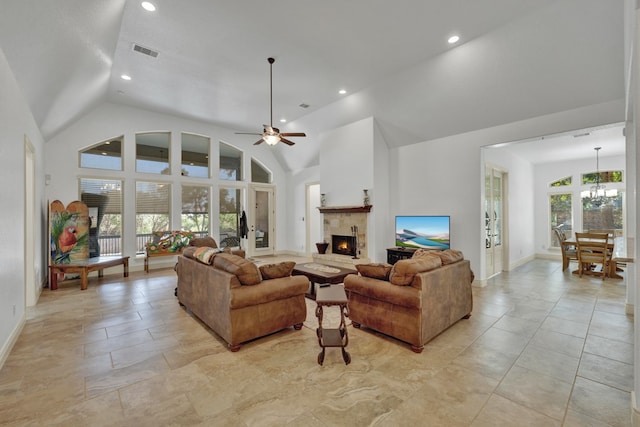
x,y
375,270
246,271
276,271
204,241
449,256
405,270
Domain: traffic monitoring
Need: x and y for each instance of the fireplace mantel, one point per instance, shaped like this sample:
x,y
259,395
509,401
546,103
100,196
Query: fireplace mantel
x,y
345,209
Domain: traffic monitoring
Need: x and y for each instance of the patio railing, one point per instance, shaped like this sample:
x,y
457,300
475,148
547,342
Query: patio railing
x,y
110,245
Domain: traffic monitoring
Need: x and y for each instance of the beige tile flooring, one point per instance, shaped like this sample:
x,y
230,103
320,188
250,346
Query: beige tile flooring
x,y
542,348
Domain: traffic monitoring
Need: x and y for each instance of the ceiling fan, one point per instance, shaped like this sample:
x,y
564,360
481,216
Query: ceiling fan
x,y
272,135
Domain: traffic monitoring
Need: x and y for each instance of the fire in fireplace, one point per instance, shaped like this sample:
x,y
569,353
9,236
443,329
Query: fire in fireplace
x,y
343,245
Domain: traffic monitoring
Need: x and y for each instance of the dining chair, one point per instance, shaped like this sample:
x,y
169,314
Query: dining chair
x,y
593,249
609,231
569,250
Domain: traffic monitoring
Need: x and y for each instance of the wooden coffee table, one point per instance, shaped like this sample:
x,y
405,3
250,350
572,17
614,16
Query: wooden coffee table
x,y
320,274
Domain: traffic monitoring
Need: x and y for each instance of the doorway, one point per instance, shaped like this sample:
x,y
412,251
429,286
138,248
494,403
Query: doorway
x,y
261,220
29,224
495,219
314,221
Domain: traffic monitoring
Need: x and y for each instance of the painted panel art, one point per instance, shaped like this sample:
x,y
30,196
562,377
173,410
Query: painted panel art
x,y
69,229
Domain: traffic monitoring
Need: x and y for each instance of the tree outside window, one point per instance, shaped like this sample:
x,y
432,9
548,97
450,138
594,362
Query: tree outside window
x,y
195,209
560,216
229,212
604,215
153,210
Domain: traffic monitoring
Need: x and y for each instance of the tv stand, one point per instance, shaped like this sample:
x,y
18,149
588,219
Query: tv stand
x,y
396,254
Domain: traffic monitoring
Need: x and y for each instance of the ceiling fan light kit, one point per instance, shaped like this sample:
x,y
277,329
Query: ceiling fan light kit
x,y
269,134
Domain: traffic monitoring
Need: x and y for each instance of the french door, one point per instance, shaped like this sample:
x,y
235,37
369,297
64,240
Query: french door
x,y
261,219
495,182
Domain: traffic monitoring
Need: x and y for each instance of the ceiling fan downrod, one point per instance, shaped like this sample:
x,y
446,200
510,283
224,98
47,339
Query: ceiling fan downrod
x,y
271,61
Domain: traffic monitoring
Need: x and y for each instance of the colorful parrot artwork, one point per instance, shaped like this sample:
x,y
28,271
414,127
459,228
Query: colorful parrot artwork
x,y
67,240
69,231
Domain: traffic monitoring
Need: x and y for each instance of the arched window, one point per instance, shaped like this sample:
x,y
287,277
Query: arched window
x,y
259,173
103,155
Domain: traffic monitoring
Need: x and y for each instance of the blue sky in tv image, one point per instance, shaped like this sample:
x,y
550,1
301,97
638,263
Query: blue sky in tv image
x,y
426,232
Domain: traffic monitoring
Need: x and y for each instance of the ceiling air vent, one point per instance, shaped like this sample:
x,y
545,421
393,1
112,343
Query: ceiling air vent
x,y
145,50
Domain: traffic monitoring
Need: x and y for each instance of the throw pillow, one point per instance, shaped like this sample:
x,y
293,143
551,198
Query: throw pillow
x,y
450,256
204,241
190,252
375,270
405,270
246,271
419,253
276,271
205,255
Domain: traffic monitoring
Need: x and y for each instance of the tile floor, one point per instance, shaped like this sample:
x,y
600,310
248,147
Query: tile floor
x,y
542,348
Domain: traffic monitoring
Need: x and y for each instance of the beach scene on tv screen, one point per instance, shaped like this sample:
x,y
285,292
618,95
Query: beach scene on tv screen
x,y
426,232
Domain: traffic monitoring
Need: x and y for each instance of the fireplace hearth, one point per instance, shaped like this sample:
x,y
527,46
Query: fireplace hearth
x,y
343,245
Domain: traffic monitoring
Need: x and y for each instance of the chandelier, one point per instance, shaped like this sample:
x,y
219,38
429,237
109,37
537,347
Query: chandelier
x,y
597,192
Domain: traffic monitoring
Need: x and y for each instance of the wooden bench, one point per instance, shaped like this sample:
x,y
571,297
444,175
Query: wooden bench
x,y
166,243
86,266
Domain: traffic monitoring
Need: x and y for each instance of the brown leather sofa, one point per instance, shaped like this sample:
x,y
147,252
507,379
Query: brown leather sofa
x,y
415,299
238,301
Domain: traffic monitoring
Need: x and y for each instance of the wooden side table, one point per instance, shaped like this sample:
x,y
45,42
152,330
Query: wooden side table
x,y
327,296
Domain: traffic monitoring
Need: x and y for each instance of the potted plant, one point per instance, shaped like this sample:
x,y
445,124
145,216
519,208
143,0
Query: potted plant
x,y
322,247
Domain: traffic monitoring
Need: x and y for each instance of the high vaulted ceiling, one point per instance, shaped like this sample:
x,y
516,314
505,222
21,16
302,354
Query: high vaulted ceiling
x,y
68,56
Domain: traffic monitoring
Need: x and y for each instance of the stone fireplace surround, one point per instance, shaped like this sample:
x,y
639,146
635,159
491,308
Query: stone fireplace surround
x,y
340,220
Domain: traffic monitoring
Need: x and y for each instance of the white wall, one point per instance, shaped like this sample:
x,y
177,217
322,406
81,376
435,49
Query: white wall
x,y
355,157
16,122
445,176
109,120
346,163
381,224
549,172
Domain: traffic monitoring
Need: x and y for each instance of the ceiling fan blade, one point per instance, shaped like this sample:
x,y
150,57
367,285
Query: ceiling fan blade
x,y
286,141
258,142
293,134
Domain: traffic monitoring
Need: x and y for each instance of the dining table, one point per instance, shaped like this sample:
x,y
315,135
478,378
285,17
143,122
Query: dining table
x,y
619,255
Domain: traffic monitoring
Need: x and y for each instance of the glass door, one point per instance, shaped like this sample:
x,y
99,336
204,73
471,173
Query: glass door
x,y
261,220
494,220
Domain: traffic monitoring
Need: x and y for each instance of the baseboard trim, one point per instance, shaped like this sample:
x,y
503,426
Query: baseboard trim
x,y
635,412
13,338
629,309
521,261
479,283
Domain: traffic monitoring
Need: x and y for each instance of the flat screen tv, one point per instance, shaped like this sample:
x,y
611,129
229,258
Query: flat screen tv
x,y
426,232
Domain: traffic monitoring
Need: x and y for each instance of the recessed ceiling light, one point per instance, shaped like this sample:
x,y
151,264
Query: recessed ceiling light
x,y
283,120
342,91
147,5
453,39
125,77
